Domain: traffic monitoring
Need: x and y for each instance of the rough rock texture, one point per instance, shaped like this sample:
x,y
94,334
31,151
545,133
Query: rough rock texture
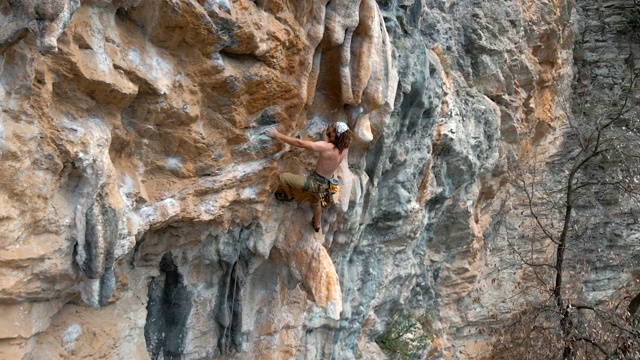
x,y
45,19
136,182
607,54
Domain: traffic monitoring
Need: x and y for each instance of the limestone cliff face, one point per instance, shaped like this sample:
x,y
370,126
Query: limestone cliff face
x,y
136,182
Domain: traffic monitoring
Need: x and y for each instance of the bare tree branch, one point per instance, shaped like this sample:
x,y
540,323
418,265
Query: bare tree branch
x,y
595,344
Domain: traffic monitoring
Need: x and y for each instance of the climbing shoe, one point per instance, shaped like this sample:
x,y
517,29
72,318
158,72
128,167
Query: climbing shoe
x,y
282,197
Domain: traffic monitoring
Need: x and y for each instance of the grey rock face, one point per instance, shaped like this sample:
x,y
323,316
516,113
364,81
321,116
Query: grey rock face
x,y
46,19
100,238
606,57
97,255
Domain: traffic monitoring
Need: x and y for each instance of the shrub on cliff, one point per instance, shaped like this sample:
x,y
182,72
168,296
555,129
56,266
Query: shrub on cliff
x,y
404,336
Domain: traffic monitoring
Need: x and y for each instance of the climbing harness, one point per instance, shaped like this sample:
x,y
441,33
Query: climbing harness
x,y
318,184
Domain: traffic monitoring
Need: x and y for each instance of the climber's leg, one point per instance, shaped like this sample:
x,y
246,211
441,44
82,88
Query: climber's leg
x,y
317,216
289,182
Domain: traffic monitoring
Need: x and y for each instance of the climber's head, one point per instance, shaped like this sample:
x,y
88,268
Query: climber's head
x,y
339,135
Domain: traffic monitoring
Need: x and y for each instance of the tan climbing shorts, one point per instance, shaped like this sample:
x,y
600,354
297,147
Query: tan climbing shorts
x,y
305,188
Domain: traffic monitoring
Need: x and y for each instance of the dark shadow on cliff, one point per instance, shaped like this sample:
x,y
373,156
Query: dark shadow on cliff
x,y
168,310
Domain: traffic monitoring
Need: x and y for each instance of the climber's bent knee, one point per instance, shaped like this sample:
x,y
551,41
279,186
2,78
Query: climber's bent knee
x,y
293,181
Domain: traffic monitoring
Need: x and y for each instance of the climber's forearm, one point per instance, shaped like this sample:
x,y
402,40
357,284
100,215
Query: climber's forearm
x,y
290,140
305,144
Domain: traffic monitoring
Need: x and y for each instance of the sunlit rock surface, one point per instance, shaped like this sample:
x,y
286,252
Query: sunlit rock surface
x,y
136,182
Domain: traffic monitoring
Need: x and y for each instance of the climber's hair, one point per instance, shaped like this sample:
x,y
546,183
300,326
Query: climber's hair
x,y
343,140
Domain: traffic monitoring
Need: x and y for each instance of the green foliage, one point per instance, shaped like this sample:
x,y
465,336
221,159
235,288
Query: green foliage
x,y
404,336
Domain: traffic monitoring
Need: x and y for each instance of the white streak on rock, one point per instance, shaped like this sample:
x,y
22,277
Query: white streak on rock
x,y
70,335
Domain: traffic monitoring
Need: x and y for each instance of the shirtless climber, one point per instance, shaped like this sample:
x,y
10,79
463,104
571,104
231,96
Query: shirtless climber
x,y
331,152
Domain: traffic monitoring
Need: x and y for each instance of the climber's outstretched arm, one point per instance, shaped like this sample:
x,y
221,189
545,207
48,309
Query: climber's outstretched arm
x,y
317,146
